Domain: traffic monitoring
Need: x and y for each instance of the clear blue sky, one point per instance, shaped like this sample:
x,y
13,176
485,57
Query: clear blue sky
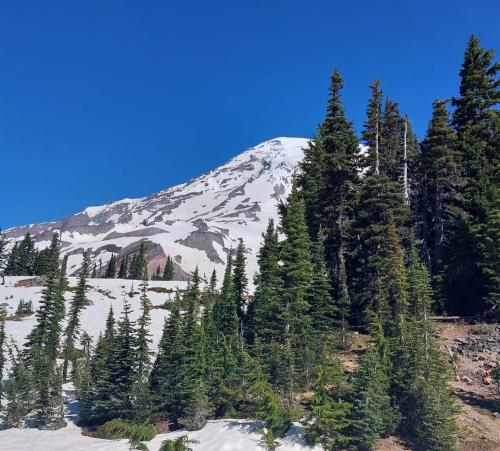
x,y
101,100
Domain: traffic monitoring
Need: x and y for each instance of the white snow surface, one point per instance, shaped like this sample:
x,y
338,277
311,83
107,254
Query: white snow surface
x,y
196,222
220,435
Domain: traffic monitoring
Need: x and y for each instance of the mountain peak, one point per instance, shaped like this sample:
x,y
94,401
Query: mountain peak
x,y
197,222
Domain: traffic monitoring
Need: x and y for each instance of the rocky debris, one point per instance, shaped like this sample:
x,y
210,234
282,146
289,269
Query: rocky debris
x,y
37,281
477,352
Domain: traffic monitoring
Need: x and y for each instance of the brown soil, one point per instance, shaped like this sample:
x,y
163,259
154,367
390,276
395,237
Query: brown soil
x,y
475,349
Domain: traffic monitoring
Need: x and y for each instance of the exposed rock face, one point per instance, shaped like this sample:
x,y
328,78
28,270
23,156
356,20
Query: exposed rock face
x,y
197,223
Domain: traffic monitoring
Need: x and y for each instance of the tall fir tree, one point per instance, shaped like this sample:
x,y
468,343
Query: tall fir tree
x,y
373,128
329,179
240,283
440,187
296,273
111,268
72,330
168,271
466,286
123,271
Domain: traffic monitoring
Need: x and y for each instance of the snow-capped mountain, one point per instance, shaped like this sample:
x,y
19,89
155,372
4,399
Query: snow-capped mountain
x,y
196,223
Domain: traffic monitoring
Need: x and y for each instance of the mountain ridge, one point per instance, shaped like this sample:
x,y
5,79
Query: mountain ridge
x,y
196,222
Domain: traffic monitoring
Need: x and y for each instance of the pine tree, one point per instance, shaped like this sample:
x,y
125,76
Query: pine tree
x,y
420,389
123,271
3,250
47,260
420,293
240,283
225,309
168,271
164,378
440,187
111,268
265,311
373,128
40,352
328,421
19,390
138,264
192,390
379,200
392,142
275,417
64,265
372,414
466,286
94,271
10,267
3,345
22,258
329,179
73,325
323,311
114,391
157,274
142,401
296,273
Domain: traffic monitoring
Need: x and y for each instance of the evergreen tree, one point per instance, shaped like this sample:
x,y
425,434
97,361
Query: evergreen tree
x,y
240,283
22,258
372,414
3,343
142,401
164,378
466,285
296,273
373,128
168,271
392,142
329,179
114,391
47,260
379,200
192,389
440,187
111,268
39,359
123,271
138,264
73,325
420,389
275,417
3,250
265,312
19,390
328,421
323,311
225,309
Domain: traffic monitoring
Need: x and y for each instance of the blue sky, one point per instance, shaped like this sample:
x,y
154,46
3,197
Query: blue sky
x,y
101,100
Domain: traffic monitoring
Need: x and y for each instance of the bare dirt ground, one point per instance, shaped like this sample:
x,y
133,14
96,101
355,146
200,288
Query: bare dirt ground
x,y
475,349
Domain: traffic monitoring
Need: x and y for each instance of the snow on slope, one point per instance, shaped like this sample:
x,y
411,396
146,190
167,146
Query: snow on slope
x,y
221,435
103,294
196,222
